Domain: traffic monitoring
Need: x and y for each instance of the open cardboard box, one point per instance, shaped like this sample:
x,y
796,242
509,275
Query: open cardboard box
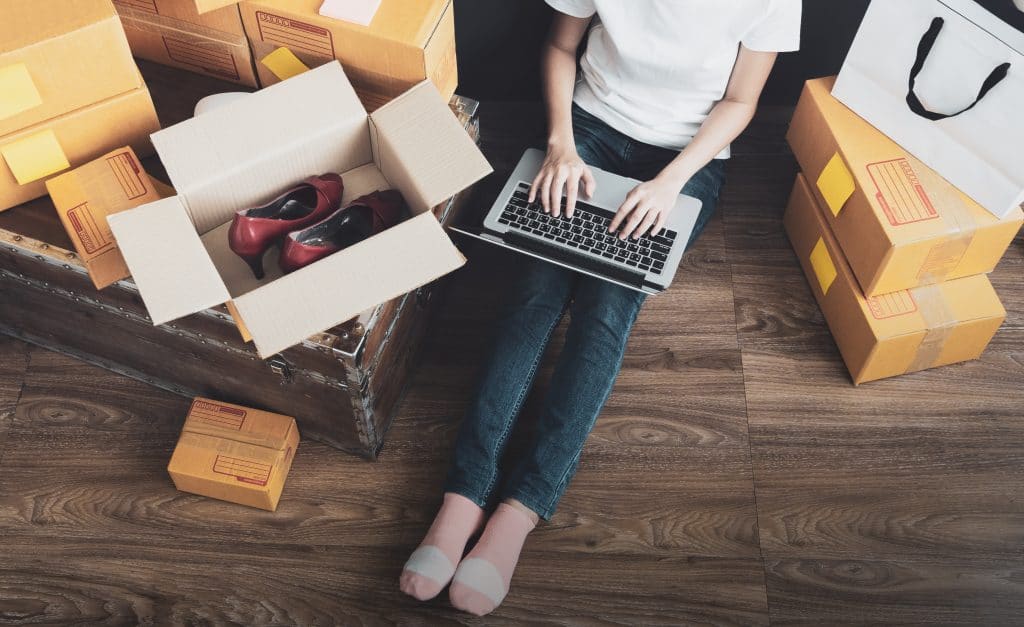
x,y
248,152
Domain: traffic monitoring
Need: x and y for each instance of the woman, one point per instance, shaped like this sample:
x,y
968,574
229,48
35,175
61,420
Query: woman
x,y
666,86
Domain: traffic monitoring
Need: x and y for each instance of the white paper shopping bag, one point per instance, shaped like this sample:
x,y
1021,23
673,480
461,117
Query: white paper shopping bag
x,y
944,79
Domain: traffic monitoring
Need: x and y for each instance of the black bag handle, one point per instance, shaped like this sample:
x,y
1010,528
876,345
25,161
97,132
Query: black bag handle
x,y
925,49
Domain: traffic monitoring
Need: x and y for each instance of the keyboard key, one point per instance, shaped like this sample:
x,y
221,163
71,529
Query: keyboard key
x,y
647,261
504,221
659,257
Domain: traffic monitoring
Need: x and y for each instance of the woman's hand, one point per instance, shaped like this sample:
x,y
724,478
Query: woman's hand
x,y
563,170
646,208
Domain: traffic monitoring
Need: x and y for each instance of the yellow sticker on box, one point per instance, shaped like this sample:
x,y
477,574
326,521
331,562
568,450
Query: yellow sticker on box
x,y
284,64
18,92
34,157
836,184
824,268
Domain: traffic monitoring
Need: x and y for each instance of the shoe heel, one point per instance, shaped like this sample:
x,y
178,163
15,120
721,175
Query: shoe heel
x,y
255,264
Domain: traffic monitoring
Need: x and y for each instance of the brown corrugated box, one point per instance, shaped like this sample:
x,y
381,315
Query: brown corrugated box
x,y
57,57
31,156
234,453
85,196
899,223
891,334
172,32
407,42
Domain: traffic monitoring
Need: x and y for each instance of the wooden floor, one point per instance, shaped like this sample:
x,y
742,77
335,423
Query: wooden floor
x,y
736,476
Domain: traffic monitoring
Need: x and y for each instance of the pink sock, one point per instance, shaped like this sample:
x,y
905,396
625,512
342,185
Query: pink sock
x,y
483,578
432,565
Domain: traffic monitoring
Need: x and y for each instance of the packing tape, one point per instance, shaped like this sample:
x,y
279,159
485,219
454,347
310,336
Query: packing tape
x,y
18,92
148,22
944,257
940,322
35,157
284,64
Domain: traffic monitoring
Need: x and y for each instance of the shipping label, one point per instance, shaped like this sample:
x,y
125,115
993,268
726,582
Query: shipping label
x,y
91,235
218,415
900,193
243,470
207,56
297,36
892,305
149,6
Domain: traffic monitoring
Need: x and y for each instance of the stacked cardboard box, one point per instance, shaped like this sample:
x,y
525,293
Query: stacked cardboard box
x,y
895,255
69,92
407,42
175,33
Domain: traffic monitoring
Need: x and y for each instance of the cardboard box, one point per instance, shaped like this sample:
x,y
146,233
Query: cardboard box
x,y
899,223
172,32
407,42
196,6
85,196
891,334
31,156
247,152
234,453
58,56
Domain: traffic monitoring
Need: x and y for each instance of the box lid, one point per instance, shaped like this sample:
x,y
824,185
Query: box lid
x,y
24,22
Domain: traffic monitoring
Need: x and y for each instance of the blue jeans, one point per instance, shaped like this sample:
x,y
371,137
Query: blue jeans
x,y
601,317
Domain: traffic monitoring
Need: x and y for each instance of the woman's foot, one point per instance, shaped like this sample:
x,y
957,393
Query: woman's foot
x,y
482,579
432,565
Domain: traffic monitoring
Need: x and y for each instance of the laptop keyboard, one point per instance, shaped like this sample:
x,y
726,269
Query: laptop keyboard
x,y
587,231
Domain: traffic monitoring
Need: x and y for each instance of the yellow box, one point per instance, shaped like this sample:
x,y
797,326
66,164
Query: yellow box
x,y
234,453
85,196
57,57
407,42
31,156
890,334
899,223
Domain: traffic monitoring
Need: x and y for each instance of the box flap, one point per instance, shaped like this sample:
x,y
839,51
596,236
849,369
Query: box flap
x,y
246,152
421,147
171,268
342,286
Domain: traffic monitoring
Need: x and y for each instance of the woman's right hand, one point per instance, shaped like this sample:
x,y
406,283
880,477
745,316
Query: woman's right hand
x,y
562,172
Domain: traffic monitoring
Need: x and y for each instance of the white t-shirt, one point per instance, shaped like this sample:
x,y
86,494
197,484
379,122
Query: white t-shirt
x,y
654,69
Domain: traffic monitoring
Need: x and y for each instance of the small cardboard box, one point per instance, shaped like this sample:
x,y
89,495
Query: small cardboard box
x,y
234,453
85,196
31,156
899,223
891,334
247,152
58,56
172,32
407,42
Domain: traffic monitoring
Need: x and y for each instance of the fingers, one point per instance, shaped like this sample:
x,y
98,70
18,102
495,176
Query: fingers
x,y
589,183
659,226
634,221
535,185
632,199
648,221
555,191
572,189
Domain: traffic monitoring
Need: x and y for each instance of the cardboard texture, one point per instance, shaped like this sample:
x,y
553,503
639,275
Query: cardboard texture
x,y
172,32
899,223
29,157
58,56
311,124
891,334
85,197
407,42
234,453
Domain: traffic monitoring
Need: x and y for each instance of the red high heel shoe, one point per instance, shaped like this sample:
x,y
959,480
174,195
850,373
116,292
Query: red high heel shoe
x,y
361,219
254,231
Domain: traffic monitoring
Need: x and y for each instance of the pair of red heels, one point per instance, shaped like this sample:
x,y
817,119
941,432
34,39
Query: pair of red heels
x,y
309,223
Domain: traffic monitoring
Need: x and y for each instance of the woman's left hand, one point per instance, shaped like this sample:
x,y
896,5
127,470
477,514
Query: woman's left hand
x,y
646,208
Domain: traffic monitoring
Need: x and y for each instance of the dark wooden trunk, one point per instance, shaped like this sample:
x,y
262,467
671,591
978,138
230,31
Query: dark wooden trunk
x,y
343,385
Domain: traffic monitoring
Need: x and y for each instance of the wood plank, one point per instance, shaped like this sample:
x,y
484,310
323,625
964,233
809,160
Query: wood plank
x,y
879,592
13,365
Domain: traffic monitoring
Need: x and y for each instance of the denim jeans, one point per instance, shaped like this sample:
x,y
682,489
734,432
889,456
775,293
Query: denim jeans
x,y
601,317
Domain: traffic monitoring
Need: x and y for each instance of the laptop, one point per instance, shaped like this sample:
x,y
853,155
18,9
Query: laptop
x,y
583,243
